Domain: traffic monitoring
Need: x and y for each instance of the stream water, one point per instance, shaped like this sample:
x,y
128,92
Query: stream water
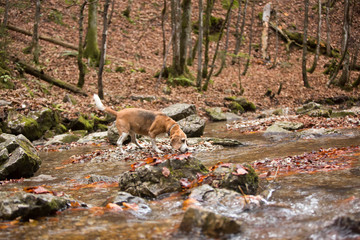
x,y
300,206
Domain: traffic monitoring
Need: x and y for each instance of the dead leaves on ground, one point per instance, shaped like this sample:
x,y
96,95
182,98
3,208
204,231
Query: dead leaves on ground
x,y
323,160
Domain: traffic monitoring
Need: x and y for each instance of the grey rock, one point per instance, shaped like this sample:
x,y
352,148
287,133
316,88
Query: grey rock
x,y
179,111
193,126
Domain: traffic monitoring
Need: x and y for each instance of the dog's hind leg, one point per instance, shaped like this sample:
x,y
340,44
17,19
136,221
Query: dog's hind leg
x,y
134,140
120,141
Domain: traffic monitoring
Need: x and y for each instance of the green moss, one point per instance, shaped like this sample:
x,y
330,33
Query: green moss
x,y
341,114
102,127
70,138
120,69
60,128
5,79
83,124
236,107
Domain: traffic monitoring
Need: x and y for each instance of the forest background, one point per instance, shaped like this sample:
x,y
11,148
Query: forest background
x,y
140,34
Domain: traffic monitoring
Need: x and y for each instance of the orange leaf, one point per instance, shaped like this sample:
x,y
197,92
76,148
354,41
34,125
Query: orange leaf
x,y
36,190
165,171
114,206
189,202
132,206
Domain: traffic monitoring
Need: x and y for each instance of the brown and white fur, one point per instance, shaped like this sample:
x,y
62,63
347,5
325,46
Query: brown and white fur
x,y
133,121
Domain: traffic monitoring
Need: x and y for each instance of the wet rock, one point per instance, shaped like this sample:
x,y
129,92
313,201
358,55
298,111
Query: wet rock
x,y
20,159
224,201
317,132
98,178
209,223
179,111
236,177
347,224
232,116
216,114
314,110
30,206
122,197
153,180
276,129
193,126
66,137
94,137
226,142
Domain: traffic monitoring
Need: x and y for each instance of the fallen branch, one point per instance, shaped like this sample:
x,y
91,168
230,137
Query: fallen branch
x,y
39,74
48,39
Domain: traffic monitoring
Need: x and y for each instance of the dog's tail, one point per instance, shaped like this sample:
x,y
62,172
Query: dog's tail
x,y
101,106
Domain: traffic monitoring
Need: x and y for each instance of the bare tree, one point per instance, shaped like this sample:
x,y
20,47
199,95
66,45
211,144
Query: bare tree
x,y
34,45
345,44
81,66
163,14
217,47
199,50
103,49
318,39
328,47
250,37
239,36
276,37
7,6
92,51
306,22
185,33
224,53
208,10
175,23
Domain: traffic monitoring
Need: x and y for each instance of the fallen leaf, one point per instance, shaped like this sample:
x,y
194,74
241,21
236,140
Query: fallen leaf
x,y
114,207
165,171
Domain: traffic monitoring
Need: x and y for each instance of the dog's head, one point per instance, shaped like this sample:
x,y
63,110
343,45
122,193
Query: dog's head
x,y
179,141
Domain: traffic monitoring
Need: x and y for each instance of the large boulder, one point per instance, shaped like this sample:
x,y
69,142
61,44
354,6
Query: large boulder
x,y
29,205
192,126
19,158
179,111
167,176
34,124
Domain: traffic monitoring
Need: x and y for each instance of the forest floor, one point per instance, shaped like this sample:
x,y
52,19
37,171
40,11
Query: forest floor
x,y
135,44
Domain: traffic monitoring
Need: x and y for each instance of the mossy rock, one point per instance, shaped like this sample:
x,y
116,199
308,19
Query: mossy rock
x,y
245,104
101,127
46,118
20,124
235,107
340,114
60,128
180,81
216,114
82,123
120,69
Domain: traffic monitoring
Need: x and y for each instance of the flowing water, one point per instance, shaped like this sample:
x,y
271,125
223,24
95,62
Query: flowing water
x,y
300,206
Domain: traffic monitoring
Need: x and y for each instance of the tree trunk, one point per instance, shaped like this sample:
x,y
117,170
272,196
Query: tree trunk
x,y
199,49
45,38
5,20
265,32
223,57
34,46
306,19
239,36
318,39
276,38
112,12
345,43
80,63
208,10
185,33
92,51
40,74
217,47
103,49
250,37
163,14
328,48
175,23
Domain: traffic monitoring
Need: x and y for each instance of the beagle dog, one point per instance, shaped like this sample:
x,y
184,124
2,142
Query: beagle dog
x,y
133,121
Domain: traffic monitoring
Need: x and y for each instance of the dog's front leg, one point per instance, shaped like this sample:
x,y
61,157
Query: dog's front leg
x,y
153,142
